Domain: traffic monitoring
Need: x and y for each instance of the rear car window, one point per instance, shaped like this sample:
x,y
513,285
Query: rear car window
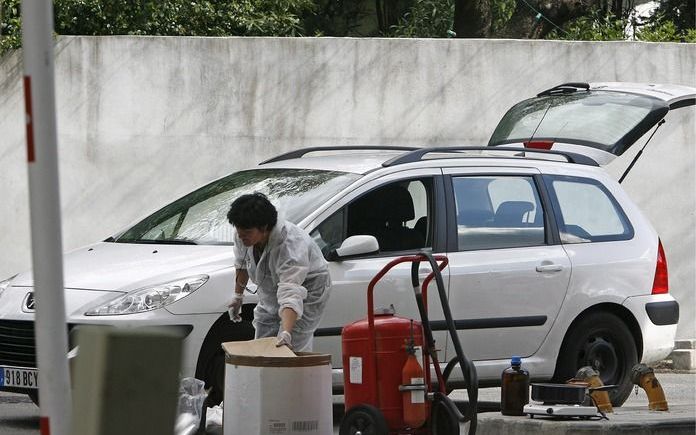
x,y
498,212
597,119
587,212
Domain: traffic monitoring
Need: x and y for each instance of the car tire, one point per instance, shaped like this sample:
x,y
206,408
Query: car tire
x,y
211,359
601,340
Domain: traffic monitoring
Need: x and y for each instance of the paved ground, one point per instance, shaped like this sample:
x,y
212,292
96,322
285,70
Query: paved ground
x,y
629,420
680,389
19,416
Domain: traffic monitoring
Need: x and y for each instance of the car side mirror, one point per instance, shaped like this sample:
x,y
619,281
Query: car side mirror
x,y
354,246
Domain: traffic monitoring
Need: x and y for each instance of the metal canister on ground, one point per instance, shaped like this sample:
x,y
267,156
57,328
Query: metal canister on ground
x,y
599,398
515,388
644,377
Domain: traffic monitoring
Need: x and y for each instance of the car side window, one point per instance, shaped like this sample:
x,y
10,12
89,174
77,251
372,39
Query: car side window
x,y
587,212
330,234
398,215
498,212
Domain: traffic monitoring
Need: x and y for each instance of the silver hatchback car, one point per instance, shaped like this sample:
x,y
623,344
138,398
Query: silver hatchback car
x,y
549,258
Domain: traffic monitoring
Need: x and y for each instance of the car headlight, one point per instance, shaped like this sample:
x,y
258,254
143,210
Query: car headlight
x,y
5,284
149,298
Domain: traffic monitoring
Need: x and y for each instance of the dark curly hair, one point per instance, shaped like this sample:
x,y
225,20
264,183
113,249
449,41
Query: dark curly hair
x,y
253,210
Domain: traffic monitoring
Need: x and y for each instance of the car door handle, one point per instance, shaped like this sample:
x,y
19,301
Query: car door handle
x,y
549,268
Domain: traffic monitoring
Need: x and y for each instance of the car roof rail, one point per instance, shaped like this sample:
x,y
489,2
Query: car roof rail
x,y
301,152
565,88
417,155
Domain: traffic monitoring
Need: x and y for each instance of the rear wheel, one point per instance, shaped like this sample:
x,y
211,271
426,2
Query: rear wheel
x,y
363,420
604,342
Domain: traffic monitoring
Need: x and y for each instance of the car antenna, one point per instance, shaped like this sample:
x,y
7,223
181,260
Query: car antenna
x,y
633,162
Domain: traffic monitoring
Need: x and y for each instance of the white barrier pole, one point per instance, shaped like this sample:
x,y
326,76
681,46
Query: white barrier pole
x,y
44,202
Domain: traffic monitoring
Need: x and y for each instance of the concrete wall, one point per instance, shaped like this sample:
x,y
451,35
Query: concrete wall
x,y
143,120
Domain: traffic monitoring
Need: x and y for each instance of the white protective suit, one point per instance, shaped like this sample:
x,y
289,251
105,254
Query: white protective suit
x,y
291,273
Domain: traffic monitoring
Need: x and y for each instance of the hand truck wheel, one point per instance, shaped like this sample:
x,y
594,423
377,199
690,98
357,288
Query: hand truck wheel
x,y
363,420
444,421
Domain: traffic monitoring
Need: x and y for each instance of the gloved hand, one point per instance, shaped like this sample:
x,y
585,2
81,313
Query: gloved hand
x,y
235,307
284,339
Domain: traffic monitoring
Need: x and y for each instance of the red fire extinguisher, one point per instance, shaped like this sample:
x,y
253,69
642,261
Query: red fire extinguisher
x,y
413,388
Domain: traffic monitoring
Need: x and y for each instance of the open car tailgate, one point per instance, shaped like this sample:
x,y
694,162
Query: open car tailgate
x,y
600,120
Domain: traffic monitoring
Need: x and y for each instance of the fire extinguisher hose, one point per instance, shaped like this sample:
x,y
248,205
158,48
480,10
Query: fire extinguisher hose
x,y
467,367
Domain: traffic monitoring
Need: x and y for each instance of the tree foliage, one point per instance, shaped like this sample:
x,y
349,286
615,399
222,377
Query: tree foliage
x,y
472,18
436,19
672,21
10,25
596,26
680,12
341,18
164,17
536,19
426,19
594,20
180,17
666,30
501,12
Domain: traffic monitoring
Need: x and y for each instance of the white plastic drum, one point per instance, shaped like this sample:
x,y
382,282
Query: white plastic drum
x,y
269,395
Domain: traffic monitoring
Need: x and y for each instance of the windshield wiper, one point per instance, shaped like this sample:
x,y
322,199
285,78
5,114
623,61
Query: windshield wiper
x,y
158,241
565,88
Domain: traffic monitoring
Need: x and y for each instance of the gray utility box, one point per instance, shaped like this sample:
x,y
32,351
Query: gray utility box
x,y
126,381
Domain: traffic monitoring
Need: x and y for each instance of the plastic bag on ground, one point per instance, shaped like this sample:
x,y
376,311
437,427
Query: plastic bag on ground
x,y
192,395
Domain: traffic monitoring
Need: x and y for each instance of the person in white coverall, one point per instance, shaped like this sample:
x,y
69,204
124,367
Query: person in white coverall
x,y
288,268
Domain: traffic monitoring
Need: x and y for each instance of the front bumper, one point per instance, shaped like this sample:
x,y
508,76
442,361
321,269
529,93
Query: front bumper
x,y
18,346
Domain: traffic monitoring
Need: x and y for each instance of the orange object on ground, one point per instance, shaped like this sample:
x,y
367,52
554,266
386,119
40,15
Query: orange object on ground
x,y
644,377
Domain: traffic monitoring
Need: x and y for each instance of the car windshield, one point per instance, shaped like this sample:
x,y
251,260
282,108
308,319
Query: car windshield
x,y
598,119
201,216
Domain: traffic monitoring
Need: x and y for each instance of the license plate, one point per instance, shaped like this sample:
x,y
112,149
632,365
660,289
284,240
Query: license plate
x,y
19,377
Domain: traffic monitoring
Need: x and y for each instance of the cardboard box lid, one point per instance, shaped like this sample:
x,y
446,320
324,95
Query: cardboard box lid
x,y
264,353
261,347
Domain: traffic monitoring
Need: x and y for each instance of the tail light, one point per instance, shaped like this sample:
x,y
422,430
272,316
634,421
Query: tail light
x,y
539,144
661,282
